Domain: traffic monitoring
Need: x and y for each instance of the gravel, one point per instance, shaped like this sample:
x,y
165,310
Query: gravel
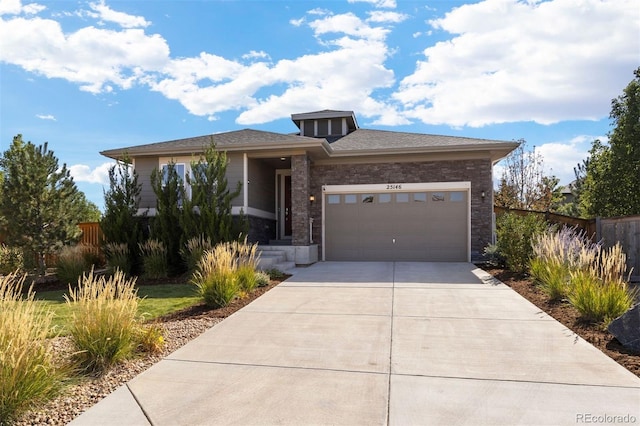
x,y
87,392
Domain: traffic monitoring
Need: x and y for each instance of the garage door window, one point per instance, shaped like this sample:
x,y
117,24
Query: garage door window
x,y
457,196
350,199
384,198
437,196
333,199
367,199
420,197
402,197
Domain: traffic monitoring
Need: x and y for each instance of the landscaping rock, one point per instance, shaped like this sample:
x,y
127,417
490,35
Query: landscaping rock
x,y
626,328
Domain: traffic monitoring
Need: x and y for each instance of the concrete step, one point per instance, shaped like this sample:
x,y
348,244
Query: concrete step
x,y
269,258
285,266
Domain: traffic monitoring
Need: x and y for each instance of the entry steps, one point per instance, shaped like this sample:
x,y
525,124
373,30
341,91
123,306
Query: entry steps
x,y
273,257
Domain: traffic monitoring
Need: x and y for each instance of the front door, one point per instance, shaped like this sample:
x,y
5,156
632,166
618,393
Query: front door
x,y
287,206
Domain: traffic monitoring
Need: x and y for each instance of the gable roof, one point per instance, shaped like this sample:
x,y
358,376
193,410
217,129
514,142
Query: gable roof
x,y
230,141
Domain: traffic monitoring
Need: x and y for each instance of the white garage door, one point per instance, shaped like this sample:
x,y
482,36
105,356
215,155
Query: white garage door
x,y
407,222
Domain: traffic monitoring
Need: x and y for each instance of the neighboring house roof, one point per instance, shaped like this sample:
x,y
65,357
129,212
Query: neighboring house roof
x,y
352,123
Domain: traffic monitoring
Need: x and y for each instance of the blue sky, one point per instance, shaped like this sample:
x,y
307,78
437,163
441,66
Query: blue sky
x,y
93,75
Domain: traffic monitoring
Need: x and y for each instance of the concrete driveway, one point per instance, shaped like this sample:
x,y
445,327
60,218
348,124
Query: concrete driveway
x,y
355,343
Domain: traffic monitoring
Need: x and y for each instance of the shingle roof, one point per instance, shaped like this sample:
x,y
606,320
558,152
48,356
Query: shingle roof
x,y
371,140
239,139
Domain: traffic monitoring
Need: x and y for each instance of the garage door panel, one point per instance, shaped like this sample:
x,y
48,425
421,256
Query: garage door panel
x,y
422,226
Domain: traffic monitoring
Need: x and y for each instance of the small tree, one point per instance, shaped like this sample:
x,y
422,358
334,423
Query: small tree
x,y
40,203
208,213
613,172
524,185
119,224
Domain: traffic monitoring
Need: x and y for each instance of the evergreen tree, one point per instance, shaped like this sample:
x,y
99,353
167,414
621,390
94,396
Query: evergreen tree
x,y
40,204
208,212
168,186
120,224
613,172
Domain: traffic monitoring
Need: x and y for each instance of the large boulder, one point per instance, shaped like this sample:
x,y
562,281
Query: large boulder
x,y
626,328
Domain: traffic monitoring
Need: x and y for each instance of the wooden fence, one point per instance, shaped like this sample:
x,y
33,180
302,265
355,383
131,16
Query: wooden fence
x,y
623,230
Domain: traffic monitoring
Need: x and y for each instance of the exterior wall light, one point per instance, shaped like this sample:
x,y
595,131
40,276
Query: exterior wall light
x,y
312,198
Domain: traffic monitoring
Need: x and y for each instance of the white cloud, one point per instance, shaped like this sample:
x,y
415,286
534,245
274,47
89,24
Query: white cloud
x,y
105,13
256,55
96,59
46,117
392,17
15,7
561,157
377,3
84,173
511,60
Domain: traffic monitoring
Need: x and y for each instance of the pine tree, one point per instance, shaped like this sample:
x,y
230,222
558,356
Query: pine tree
x,y
40,204
167,223
209,212
120,224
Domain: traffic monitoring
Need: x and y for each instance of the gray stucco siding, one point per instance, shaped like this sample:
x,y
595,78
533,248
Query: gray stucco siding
x,y
144,166
261,186
235,174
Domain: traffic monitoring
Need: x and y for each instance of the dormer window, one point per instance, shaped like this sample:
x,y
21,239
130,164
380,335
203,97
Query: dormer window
x,y
325,124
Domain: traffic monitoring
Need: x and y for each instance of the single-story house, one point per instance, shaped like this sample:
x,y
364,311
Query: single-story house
x,y
335,191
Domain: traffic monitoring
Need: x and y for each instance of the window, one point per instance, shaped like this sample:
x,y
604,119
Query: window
x,y
457,196
323,127
437,196
180,171
367,198
333,199
420,197
402,197
384,198
350,199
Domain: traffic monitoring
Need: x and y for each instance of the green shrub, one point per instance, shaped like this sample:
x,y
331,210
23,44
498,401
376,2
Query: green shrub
x,y
493,257
104,324
154,259
118,258
262,279
11,259
71,264
598,301
274,274
216,277
194,249
515,235
28,373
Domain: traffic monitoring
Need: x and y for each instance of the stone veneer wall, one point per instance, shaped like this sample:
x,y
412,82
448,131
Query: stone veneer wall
x,y
300,204
478,172
261,230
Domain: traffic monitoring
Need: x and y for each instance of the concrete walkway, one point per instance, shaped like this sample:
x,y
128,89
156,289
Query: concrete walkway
x,y
345,343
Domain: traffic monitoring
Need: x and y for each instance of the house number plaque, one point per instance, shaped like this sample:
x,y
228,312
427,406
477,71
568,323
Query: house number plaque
x,y
395,186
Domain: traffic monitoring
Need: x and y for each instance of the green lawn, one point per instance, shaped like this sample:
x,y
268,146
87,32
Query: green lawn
x,y
157,300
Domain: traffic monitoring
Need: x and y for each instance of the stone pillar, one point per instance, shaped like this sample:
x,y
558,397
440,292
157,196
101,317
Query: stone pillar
x,y
300,182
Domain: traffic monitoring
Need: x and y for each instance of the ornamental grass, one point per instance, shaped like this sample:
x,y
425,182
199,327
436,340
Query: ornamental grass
x,y
194,249
215,277
118,258
154,259
28,374
105,325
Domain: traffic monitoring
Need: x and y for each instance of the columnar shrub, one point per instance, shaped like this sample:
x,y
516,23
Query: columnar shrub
x,y
118,257
154,259
11,259
105,323
216,277
28,374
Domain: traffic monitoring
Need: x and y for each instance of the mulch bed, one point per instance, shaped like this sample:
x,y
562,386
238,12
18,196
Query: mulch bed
x,y
569,316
